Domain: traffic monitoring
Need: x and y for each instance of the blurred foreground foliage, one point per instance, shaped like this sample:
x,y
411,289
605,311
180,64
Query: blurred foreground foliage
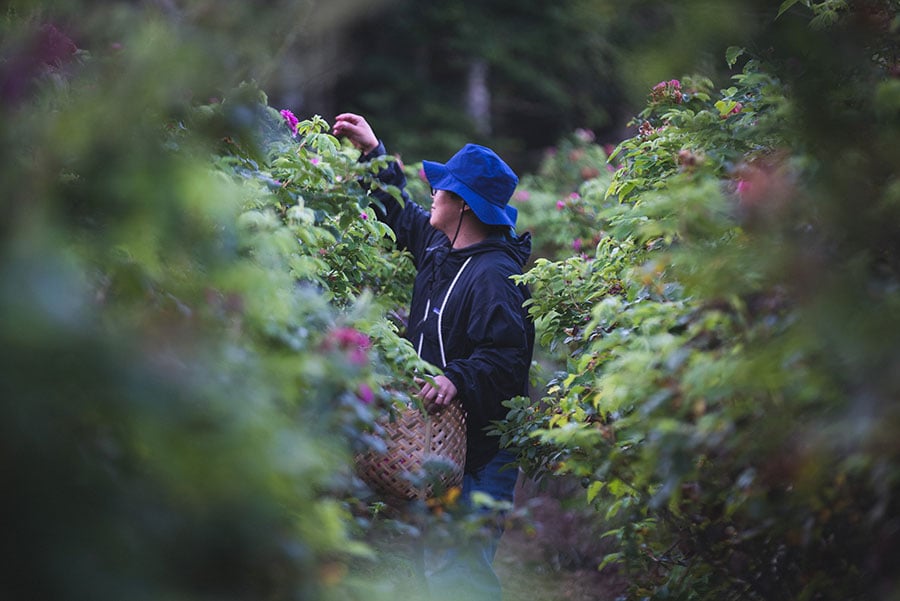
x,y
728,340
190,348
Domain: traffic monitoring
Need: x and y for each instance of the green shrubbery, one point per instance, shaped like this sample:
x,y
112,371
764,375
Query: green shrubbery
x,y
718,392
191,349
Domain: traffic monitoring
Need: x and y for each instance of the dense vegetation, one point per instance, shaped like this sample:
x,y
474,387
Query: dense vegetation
x,y
728,322
201,318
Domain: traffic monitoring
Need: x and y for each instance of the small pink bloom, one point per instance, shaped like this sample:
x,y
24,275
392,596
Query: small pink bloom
x,y
522,195
585,135
314,160
667,90
574,195
365,394
349,337
291,120
363,216
560,205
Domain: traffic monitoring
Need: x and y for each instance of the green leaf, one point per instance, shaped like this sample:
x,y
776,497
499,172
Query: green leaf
x,y
732,54
608,559
787,4
593,490
725,106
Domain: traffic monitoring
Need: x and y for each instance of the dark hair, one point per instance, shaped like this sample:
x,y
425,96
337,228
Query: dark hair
x,y
499,231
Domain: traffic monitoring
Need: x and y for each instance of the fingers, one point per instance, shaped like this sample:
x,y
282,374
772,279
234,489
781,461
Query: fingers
x,y
439,394
347,122
349,118
356,129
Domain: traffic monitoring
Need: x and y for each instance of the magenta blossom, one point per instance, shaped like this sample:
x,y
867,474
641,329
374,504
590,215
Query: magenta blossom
x,y
667,91
350,337
291,120
365,394
560,205
354,343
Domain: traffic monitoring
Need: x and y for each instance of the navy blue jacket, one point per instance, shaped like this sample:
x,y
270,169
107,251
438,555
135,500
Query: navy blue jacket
x,y
466,315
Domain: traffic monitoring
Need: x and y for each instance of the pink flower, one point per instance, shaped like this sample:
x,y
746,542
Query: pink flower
x,y
353,342
365,394
349,337
667,91
522,195
363,216
734,111
585,135
291,121
560,205
314,160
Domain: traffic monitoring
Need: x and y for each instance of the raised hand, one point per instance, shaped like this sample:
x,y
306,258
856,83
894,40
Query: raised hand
x,y
356,129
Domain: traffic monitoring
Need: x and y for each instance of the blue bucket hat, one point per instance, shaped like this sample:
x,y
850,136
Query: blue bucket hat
x,y
481,178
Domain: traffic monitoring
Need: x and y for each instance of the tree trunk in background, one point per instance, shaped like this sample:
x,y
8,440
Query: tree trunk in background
x,y
478,97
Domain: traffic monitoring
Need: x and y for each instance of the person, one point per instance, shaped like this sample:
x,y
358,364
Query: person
x,y
466,317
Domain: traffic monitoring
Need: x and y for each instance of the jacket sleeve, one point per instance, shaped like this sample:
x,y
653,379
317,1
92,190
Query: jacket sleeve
x,y
498,367
409,221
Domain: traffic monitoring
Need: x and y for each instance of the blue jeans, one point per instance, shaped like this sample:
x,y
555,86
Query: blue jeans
x,y
464,572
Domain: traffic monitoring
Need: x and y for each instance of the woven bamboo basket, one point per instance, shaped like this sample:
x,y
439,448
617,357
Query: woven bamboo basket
x,y
424,453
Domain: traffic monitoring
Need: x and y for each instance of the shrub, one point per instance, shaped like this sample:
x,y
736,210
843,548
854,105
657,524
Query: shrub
x,y
717,391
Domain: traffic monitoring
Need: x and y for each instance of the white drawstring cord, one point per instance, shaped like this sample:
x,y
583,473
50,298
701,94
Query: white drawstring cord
x,y
441,313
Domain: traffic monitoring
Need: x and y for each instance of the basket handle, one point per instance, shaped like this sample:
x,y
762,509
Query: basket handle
x,y
424,489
